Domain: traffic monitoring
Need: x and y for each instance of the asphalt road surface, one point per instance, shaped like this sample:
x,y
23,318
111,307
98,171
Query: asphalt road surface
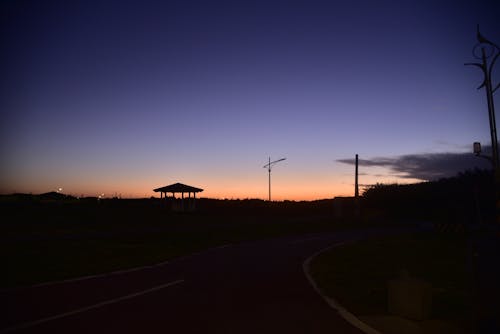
x,y
254,287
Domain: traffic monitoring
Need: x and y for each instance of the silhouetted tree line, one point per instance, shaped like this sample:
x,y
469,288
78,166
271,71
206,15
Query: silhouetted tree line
x,y
466,198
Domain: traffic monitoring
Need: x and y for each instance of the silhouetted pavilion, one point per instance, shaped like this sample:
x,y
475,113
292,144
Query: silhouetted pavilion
x,y
182,189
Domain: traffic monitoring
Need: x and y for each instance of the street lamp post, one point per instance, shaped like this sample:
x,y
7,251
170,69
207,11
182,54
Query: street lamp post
x,y
268,166
483,246
482,51
486,50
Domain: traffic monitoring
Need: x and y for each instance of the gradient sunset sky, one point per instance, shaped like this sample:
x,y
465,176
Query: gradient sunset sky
x,y
120,97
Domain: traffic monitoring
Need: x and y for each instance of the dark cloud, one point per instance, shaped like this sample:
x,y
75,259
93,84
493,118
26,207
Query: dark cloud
x,y
426,166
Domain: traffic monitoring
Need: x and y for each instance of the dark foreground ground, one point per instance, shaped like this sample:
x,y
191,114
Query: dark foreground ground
x,y
253,287
254,282
45,240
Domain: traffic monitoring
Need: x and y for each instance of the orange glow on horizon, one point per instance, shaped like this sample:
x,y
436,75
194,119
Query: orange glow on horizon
x,y
285,185
256,192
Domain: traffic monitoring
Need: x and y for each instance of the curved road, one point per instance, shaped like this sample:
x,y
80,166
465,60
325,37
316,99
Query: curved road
x,y
254,287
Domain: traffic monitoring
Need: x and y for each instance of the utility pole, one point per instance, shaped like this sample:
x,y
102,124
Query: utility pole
x,y
268,166
357,209
356,189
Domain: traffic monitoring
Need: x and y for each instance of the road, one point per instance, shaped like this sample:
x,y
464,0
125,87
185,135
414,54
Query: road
x,y
253,287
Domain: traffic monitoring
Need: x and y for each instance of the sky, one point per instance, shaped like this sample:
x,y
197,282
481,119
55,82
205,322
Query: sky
x,y
121,97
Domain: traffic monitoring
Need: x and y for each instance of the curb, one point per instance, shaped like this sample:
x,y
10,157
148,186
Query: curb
x,y
344,313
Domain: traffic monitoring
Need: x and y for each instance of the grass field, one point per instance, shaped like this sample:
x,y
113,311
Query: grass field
x,y
356,275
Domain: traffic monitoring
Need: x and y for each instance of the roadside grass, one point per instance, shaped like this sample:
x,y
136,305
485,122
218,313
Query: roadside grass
x,y
356,275
48,260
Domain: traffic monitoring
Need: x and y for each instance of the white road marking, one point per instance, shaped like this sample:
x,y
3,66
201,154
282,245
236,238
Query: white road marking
x,y
112,273
87,308
348,316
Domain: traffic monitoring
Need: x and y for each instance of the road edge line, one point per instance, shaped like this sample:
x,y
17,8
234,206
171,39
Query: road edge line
x,y
88,277
111,273
87,308
344,313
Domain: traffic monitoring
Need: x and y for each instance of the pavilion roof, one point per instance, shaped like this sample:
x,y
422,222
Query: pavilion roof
x,y
178,188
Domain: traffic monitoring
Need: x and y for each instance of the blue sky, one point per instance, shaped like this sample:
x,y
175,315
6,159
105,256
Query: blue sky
x,y
126,96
